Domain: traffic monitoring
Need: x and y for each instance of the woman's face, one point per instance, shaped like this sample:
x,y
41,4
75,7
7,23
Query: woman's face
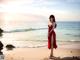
x,y
51,20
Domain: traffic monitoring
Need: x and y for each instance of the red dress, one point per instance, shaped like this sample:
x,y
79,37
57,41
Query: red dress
x,y
50,35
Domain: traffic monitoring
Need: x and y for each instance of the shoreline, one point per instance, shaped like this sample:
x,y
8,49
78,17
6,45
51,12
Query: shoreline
x,y
41,53
64,44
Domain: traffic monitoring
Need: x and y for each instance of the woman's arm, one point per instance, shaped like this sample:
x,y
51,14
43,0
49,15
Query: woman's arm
x,y
51,30
55,25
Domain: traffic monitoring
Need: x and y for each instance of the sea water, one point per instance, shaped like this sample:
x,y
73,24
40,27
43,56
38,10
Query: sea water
x,y
36,34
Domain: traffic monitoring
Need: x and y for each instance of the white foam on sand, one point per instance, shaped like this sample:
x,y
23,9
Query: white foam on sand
x,y
71,46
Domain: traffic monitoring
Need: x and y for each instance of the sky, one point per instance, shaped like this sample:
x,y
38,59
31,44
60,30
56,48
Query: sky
x,y
39,10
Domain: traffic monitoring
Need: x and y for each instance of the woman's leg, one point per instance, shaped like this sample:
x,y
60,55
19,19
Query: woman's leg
x,y
51,55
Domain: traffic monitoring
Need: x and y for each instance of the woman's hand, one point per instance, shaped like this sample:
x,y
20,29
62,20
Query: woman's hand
x,y
51,31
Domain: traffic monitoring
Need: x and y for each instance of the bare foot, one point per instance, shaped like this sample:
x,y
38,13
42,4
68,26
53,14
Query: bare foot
x,y
51,57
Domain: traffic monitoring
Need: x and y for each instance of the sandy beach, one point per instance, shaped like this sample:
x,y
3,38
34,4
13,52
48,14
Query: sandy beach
x,y
40,53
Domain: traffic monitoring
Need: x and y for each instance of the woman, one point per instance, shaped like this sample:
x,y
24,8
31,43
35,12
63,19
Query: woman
x,y
51,35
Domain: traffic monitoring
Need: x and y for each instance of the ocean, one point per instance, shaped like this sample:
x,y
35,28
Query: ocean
x,y
32,35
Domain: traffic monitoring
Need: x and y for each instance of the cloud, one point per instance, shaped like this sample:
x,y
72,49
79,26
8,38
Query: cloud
x,y
10,17
62,9
13,1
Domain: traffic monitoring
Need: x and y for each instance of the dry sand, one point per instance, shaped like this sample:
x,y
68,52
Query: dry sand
x,y
39,53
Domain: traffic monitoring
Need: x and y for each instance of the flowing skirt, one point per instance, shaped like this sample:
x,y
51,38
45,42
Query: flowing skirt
x,y
50,36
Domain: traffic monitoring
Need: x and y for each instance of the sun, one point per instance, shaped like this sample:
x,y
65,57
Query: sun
x,y
7,17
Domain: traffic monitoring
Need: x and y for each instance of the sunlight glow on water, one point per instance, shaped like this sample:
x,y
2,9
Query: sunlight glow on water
x,y
66,31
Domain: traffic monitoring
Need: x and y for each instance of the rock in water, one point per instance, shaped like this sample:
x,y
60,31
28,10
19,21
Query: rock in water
x,y
1,46
10,47
1,31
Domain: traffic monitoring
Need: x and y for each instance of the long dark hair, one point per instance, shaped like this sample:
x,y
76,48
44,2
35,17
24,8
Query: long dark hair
x,y
52,16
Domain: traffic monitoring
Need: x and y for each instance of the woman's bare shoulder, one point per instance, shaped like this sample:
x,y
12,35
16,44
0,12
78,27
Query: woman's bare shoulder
x,y
49,24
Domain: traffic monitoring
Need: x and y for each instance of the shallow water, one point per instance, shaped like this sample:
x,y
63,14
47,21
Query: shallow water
x,y
35,35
